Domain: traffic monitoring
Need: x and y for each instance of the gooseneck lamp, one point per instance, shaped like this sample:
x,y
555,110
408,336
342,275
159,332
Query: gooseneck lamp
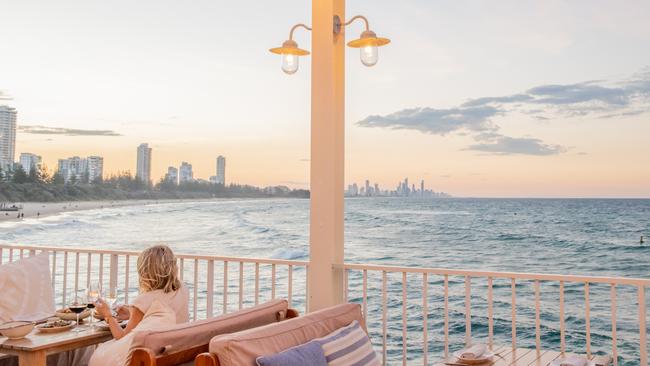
x,y
367,43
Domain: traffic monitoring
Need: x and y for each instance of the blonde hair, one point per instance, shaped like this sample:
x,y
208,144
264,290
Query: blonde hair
x,y
158,270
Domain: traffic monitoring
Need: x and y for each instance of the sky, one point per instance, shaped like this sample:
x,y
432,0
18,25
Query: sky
x,y
478,98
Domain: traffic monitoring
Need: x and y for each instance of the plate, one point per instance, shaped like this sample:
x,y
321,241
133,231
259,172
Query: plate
x,y
558,362
485,358
41,328
102,325
72,316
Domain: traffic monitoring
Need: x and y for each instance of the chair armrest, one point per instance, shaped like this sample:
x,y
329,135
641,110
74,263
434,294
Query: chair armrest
x,y
206,359
142,357
292,313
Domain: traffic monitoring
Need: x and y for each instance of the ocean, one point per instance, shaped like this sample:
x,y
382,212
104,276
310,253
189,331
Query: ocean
x,y
565,236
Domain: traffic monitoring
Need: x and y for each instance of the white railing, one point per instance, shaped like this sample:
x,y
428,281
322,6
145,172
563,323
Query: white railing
x,y
400,300
414,315
217,284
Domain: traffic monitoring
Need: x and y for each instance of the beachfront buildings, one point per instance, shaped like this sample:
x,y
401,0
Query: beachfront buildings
x,y
95,166
185,174
143,168
29,161
221,170
81,170
172,175
7,136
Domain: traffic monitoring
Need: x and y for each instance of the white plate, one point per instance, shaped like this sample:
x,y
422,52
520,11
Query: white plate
x,y
102,325
485,358
558,362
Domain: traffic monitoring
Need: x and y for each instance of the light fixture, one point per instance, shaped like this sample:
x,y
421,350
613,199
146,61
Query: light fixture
x,y
367,45
290,52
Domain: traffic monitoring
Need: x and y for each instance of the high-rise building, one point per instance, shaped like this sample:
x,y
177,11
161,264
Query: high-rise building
x,y
7,136
74,168
422,187
143,168
221,170
172,175
367,188
95,168
28,161
185,173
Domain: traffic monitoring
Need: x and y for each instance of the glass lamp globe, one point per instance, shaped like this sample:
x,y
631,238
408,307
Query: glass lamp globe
x,y
289,63
369,55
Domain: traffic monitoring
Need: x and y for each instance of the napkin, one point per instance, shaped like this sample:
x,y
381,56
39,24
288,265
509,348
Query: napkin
x,y
574,361
473,352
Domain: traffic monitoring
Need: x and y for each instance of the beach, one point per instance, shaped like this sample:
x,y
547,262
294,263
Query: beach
x,y
43,209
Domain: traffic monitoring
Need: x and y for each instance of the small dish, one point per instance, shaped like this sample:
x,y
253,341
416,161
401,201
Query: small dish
x,y
558,362
485,358
67,314
57,326
16,329
102,325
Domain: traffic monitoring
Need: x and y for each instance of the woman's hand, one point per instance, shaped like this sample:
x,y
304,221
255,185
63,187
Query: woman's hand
x,y
103,309
123,312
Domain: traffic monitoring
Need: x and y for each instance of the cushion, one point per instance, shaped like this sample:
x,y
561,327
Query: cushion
x,y
244,347
310,353
348,346
26,289
187,335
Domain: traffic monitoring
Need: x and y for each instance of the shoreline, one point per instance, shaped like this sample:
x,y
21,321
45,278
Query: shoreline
x,y
34,210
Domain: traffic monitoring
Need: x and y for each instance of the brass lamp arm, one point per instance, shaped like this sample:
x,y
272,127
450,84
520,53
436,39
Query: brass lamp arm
x,y
296,27
355,18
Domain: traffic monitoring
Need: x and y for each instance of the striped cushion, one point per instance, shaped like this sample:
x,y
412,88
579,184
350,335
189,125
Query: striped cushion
x,y
349,345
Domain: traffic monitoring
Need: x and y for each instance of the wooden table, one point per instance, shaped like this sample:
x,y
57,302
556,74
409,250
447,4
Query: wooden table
x,y
34,348
507,356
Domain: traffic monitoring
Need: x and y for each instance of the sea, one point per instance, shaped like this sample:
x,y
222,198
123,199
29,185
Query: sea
x,y
598,237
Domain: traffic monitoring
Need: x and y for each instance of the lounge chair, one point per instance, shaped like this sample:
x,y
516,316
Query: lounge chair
x,y
242,348
181,343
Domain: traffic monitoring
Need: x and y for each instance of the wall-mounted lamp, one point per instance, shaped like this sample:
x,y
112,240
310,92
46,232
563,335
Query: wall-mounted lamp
x,y
367,44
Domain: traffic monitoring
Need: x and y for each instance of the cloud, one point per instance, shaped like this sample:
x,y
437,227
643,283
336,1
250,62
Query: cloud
x,y
45,130
436,121
476,117
505,145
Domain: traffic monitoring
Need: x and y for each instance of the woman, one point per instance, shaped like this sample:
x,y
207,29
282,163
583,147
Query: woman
x,y
163,299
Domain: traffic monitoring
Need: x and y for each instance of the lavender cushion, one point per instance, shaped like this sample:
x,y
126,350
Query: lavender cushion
x,y
310,353
349,345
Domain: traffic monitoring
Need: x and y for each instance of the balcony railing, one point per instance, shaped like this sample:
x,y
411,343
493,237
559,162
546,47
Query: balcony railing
x,y
414,315
403,305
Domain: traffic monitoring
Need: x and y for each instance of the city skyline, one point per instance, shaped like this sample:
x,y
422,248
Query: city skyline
x,y
512,102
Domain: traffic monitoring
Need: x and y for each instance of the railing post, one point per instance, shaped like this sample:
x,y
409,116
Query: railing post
x,y
112,275
327,155
643,340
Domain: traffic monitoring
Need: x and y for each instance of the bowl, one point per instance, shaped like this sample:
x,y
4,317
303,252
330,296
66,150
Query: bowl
x,y
16,329
69,315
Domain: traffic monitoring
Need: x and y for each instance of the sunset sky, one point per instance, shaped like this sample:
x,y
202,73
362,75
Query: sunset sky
x,y
478,98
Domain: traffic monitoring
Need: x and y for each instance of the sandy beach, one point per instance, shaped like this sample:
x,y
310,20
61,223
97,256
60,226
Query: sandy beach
x,y
42,209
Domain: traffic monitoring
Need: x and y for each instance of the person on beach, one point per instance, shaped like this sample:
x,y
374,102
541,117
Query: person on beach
x,y
163,300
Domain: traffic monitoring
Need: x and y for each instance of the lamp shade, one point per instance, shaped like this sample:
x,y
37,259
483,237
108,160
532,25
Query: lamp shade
x,y
368,38
289,47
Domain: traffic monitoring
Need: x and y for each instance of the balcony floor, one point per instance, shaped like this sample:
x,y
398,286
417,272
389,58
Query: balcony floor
x,y
507,356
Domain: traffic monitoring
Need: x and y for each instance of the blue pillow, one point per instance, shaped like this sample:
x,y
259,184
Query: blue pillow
x,y
310,353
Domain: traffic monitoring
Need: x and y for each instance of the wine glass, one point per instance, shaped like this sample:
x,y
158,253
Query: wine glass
x,y
77,306
94,293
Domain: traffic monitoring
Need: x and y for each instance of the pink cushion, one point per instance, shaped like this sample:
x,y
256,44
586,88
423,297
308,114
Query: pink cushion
x,y
244,347
183,336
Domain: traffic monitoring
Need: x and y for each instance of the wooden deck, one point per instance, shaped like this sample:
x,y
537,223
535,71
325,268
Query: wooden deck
x,y
507,356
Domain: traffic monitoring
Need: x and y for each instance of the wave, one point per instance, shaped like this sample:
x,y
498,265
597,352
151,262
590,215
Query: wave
x,y
289,253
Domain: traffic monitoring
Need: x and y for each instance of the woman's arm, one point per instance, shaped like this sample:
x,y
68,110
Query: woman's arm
x,y
117,331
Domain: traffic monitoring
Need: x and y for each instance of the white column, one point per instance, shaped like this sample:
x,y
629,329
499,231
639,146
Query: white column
x,y
327,155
